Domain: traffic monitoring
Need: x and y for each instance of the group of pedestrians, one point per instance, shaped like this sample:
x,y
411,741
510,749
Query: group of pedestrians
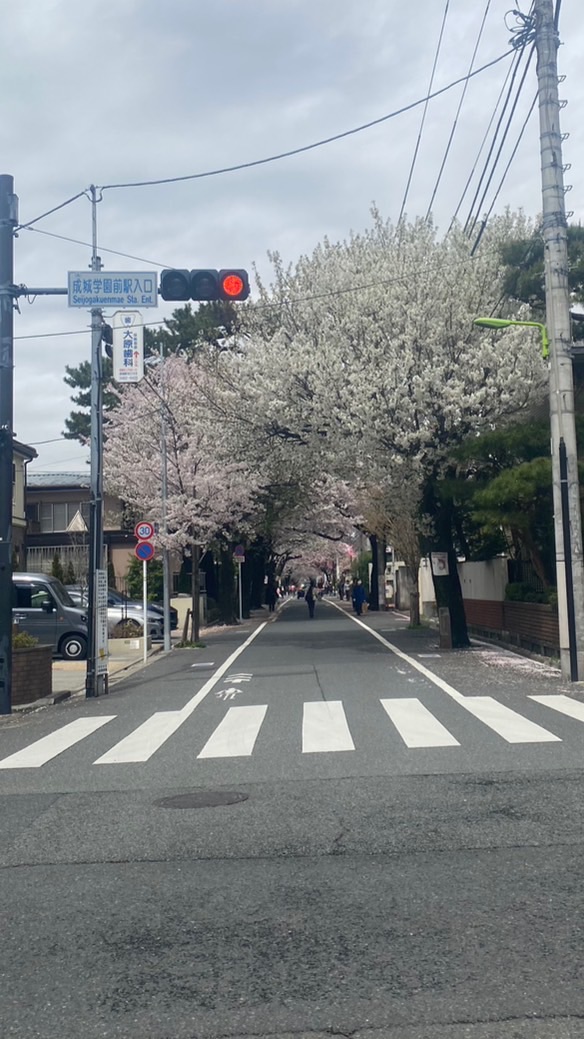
x,y
356,591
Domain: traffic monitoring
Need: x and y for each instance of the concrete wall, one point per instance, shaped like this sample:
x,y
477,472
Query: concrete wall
x,y
485,580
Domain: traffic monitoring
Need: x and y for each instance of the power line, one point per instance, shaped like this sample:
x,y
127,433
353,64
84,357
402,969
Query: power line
x,y
470,222
316,144
458,110
503,178
425,112
481,146
101,248
502,144
22,227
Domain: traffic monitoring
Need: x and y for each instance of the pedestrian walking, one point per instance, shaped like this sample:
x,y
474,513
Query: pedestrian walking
x,y
358,598
271,596
310,599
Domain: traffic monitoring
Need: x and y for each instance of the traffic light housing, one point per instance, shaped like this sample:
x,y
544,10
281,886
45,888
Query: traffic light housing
x,y
204,285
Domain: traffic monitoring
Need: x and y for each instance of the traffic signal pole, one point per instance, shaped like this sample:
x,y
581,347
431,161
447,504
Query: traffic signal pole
x,y
566,490
95,684
8,221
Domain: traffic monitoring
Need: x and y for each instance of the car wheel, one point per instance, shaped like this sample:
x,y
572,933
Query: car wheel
x,y
73,647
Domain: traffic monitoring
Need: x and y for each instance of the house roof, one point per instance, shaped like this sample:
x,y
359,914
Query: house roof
x,y
54,480
24,450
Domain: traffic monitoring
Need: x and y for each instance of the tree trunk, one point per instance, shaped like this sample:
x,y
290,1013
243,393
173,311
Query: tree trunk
x,y
414,596
374,590
226,586
258,572
447,587
195,595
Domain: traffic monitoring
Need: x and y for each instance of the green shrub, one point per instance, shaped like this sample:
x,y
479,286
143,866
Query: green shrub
x,y
520,591
22,640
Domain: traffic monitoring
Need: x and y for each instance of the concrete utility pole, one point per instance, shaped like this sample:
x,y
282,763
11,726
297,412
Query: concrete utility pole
x,y
8,221
568,529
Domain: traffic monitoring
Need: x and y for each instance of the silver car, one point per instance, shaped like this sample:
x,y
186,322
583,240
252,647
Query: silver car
x,y
124,616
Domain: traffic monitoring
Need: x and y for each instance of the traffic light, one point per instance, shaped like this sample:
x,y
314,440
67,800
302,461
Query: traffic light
x,y
204,285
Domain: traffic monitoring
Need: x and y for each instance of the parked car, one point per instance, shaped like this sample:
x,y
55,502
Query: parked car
x,y
126,615
42,607
117,599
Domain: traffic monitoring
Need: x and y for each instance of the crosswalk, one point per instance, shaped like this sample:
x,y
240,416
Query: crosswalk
x,y
323,729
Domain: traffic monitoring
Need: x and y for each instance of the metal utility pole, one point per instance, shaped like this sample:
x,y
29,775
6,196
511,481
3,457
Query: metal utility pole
x,y
8,221
95,682
570,572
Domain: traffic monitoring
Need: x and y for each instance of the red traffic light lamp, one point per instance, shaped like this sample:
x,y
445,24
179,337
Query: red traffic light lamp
x,y
204,285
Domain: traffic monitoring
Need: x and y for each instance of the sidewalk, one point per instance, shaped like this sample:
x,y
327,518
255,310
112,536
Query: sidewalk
x,y
484,669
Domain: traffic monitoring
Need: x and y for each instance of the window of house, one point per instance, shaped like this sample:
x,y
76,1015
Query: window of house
x,y
56,516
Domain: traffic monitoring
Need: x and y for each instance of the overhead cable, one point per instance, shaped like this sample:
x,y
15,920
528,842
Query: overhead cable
x,y
472,218
472,221
316,144
503,178
424,112
458,111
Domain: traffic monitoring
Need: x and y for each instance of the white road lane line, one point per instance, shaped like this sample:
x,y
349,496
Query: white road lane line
x,y
563,704
141,744
416,725
513,727
403,656
324,728
43,750
205,689
235,736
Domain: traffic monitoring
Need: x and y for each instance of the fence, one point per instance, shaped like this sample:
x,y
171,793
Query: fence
x,y
529,625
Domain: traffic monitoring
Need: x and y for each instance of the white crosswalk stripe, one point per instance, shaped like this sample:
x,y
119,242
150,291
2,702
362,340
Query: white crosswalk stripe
x,y
416,725
235,736
142,743
325,730
512,726
563,704
43,750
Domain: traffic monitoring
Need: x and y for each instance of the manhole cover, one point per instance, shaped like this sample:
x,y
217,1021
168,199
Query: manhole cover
x,y
203,799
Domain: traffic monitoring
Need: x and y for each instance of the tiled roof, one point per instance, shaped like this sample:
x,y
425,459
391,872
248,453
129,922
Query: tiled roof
x,y
35,479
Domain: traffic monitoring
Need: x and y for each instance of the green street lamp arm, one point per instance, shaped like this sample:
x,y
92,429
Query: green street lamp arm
x,y
502,322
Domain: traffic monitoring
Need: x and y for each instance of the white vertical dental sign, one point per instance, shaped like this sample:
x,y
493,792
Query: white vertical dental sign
x,y
128,346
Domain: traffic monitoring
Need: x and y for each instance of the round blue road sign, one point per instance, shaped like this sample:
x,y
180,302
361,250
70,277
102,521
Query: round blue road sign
x,y
144,550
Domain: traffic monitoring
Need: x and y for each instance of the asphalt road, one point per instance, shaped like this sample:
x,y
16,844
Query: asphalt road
x,y
399,854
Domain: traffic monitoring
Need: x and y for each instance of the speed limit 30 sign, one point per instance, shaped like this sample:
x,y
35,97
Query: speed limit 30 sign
x,y
143,530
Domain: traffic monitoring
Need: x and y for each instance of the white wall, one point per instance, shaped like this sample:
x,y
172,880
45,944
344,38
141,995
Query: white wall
x,y
485,580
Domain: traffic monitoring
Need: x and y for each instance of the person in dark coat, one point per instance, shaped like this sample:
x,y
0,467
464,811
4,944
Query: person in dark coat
x,y
310,599
271,596
358,598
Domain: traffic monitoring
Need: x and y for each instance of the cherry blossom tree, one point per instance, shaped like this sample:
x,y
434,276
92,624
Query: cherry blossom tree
x,y
365,357
210,493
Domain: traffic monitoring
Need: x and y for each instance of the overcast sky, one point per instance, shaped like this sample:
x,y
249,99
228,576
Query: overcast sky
x,y
102,92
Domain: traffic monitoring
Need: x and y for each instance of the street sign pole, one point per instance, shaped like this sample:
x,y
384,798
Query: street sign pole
x,y
239,558
145,608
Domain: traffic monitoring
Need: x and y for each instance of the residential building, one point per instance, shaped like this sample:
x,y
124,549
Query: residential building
x,y
57,512
21,456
